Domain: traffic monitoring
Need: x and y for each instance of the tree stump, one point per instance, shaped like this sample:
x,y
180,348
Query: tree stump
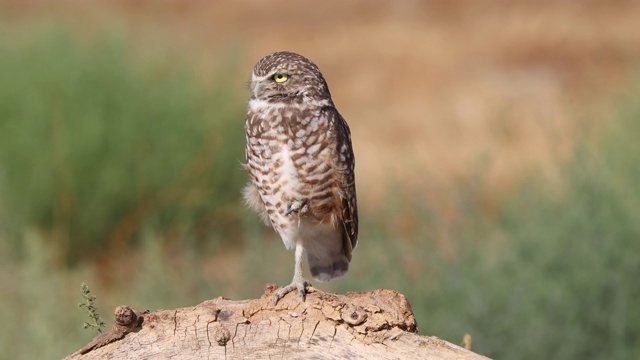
x,y
376,324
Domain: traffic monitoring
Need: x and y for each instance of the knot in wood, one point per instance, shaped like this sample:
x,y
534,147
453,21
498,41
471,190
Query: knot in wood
x,y
222,335
126,319
354,316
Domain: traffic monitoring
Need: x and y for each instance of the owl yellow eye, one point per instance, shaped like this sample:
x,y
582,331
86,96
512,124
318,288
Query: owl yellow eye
x,y
280,78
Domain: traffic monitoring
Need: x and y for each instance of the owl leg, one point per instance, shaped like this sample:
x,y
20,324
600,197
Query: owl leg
x,y
298,283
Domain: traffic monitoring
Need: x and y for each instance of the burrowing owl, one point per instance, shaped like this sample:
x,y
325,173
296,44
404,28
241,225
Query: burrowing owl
x,y
301,165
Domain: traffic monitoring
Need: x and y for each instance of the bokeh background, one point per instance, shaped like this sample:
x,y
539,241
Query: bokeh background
x,y
498,163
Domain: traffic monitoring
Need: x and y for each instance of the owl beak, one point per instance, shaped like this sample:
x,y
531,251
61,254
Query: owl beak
x,y
256,86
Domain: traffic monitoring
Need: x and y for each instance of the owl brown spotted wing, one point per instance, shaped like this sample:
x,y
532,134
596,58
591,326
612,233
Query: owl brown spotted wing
x,y
346,168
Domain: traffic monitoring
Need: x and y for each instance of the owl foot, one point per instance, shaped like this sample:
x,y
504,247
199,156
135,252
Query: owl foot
x,y
299,284
299,206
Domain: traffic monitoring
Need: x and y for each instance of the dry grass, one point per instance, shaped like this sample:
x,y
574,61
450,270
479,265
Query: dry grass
x,y
431,89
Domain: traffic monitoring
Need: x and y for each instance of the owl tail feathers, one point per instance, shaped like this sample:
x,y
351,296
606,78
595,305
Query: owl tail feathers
x,y
331,260
329,268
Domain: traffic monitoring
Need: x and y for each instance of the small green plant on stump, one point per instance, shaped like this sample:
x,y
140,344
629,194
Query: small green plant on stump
x,y
96,321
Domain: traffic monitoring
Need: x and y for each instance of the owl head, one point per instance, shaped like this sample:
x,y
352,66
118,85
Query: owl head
x,y
284,75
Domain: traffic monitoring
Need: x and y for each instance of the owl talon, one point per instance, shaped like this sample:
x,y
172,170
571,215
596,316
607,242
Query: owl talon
x,y
300,207
300,286
289,209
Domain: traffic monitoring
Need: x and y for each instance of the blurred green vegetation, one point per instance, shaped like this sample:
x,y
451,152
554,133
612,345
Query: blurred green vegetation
x,y
555,275
100,151
96,145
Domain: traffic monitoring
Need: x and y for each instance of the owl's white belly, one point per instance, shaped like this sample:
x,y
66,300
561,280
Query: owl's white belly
x,y
286,187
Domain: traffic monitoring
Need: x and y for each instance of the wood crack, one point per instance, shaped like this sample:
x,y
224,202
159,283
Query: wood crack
x,y
175,322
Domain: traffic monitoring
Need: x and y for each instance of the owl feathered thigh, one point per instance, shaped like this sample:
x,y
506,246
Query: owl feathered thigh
x,y
301,164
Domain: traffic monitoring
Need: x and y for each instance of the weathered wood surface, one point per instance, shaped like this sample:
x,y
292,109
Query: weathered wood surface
x,y
377,324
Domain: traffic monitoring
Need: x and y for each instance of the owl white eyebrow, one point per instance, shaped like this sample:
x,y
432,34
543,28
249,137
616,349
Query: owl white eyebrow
x,y
260,78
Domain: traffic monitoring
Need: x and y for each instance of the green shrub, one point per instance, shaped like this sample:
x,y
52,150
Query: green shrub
x,y
554,276
95,145
567,285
